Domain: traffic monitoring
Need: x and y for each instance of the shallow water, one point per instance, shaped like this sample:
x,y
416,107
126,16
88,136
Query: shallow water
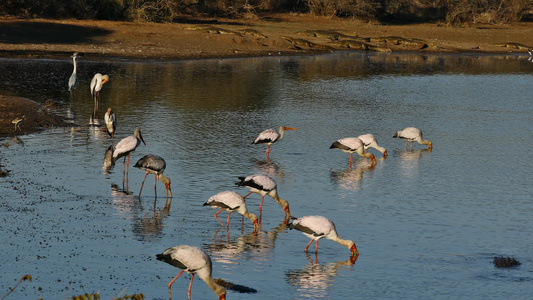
x,y
427,224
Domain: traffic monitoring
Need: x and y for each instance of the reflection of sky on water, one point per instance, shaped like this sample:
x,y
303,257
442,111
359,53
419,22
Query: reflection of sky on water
x,y
432,212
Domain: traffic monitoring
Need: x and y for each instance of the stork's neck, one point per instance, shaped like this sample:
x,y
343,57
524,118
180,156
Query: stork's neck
x,y
281,132
380,149
217,289
346,243
284,203
165,180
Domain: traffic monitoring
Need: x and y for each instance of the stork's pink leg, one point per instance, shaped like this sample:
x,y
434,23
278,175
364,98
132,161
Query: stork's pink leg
x,y
261,206
308,246
247,195
155,186
316,247
142,184
229,214
217,217
190,286
351,157
267,151
171,282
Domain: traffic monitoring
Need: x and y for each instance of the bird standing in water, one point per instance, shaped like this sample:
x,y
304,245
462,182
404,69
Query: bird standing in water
x,y
317,227
353,145
110,122
264,185
412,134
270,136
126,146
97,83
370,141
192,260
73,80
156,165
231,201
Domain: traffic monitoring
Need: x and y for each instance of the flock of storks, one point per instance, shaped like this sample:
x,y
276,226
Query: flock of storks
x,y
195,260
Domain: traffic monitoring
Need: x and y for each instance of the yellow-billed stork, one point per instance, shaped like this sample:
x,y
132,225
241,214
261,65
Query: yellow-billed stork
x,y
192,260
231,201
353,145
270,136
264,185
317,227
412,134
370,141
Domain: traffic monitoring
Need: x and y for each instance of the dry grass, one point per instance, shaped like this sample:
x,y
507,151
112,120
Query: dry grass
x,y
453,12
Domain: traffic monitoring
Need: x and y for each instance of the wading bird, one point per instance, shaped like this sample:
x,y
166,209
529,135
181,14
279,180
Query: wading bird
x,y
270,136
156,165
317,227
110,122
370,141
126,146
353,145
73,80
96,85
231,201
17,122
192,260
264,185
412,134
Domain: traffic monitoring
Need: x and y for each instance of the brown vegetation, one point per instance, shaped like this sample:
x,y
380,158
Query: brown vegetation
x,y
385,11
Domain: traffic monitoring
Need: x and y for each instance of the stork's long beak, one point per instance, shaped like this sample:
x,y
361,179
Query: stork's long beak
x,y
141,136
256,226
354,251
385,154
290,128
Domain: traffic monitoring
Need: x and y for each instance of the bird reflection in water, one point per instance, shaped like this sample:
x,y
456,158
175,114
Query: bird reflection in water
x,y
351,179
109,162
250,247
314,280
146,226
409,159
268,168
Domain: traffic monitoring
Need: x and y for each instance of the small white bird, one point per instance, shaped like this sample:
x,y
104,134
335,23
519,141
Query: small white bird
x,y
317,227
353,145
264,185
73,80
156,165
17,122
370,141
192,260
412,134
231,201
270,136
110,122
127,145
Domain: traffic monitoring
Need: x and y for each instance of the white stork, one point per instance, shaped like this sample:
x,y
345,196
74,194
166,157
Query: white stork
x,y
270,136
156,165
370,141
192,260
264,185
317,227
353,145
231,201
126,146
412,134
97,83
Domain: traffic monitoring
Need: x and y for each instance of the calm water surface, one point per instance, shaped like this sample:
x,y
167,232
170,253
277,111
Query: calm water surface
x,y
427,224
